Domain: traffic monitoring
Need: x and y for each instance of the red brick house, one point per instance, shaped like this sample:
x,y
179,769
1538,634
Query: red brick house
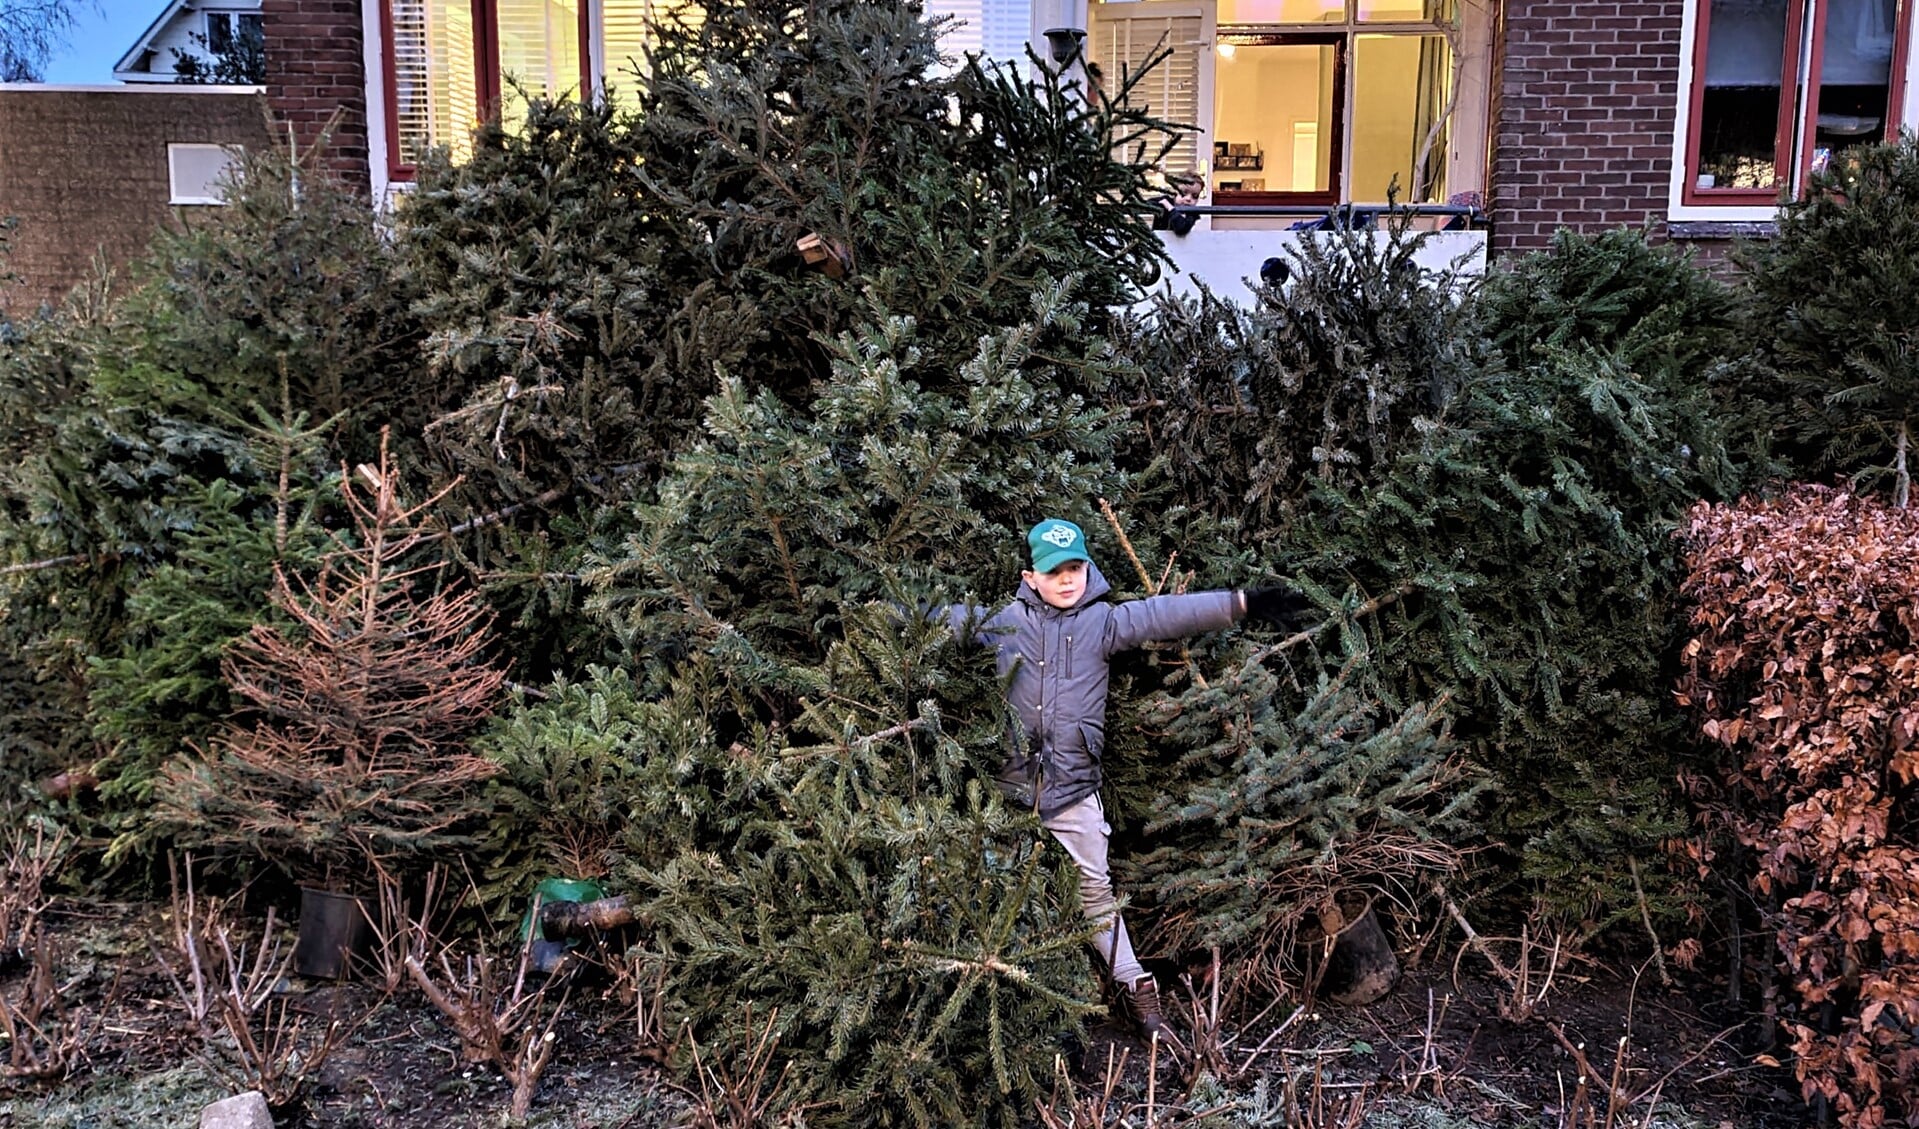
x,y
91,172
1690,116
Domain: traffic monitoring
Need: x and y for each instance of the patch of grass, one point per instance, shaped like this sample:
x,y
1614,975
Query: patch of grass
x,y
589,1100
165,1099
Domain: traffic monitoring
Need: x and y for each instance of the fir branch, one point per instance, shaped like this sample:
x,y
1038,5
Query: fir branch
x,y
1126,543
1384,600
50,562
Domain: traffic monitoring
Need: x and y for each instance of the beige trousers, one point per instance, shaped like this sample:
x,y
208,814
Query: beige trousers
x,y
1082,829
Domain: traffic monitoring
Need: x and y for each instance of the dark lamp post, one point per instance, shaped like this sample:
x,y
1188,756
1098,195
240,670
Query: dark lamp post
x,y
1063,42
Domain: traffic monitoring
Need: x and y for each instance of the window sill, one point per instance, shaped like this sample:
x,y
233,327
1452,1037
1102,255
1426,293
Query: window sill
x,y
1682,230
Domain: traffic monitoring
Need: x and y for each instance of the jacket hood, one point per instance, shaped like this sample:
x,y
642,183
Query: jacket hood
x,y
1096,589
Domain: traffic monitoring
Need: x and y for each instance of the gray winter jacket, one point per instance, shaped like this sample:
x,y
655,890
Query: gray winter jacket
x,y
1054,662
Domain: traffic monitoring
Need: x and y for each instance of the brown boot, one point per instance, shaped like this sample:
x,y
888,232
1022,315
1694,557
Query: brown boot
x,y
1142,1000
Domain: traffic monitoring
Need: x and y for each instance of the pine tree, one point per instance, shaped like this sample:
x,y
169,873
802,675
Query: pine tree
x,y
1535,527
779,515
1322,382
819,831
126,438
559,800
1833,301
855,880
289,285
543,301
1509,503
589,279
348,756
1285,813
162,688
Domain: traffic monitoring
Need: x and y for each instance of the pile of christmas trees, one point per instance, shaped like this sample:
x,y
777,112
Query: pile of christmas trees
x,y
708,395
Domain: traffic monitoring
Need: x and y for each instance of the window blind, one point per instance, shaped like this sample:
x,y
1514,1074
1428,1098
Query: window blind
x,y
436,93
1170,91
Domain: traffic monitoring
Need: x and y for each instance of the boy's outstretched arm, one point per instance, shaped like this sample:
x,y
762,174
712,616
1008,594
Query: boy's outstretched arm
x,y
1171,617
1174,617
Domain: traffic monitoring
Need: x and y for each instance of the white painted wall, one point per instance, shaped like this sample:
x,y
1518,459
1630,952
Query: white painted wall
x,y
178,32
177,36
1224,260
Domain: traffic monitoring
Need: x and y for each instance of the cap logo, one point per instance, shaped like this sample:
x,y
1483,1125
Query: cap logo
x,y
1058,535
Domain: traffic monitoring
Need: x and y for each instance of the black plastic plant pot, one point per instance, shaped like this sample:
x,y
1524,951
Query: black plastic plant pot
x,y
334,928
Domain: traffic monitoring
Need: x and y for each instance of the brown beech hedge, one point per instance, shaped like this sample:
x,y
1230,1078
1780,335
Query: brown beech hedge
x,y
1804,665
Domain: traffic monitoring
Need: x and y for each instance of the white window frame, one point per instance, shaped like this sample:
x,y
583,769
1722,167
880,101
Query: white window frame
x,y
1469,135
233,153
378,132
230,15
1676,206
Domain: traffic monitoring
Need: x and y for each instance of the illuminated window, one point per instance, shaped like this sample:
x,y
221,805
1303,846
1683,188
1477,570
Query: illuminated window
x,y
624,32
1281,11
432,89
1278,116
449,62
1754,127
1401,89
541,46
1300,101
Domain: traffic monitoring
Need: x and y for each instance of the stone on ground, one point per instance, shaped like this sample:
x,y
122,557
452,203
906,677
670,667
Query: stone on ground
x,y
242,1111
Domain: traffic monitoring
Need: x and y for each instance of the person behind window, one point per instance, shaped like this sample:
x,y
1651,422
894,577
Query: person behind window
x,y
1187,192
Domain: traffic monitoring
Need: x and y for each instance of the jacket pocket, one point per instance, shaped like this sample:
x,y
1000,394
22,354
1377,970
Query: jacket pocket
x,y
1092,741
1066,660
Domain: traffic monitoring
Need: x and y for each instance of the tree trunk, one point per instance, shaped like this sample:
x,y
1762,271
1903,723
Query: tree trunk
x,y
1363,967
560,920
1901,475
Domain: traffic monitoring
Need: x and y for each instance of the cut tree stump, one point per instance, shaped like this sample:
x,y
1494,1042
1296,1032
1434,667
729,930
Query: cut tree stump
x,y
1362,967
561,920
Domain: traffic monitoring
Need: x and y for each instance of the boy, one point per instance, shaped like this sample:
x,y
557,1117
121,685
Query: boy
x,y
1053,643
1171,215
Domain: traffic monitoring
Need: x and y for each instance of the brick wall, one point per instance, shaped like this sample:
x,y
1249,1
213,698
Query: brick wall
x,y
1587,100
315,68
85,172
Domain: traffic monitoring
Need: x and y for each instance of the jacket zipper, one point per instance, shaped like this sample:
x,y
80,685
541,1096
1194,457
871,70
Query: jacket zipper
x,y
1043,754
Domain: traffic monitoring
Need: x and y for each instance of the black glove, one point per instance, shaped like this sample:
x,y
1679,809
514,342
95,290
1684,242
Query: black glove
x,y
1282,607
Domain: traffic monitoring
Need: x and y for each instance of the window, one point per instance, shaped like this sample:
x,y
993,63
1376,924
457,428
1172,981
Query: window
x,y
541,47
1755,128
1311,102
201,174
623,38
1125,37
449,62
225,30
996,29
1282,94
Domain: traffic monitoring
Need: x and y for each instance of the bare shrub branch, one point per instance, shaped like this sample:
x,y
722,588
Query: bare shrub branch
x,y
508,1027
45,1039
28,858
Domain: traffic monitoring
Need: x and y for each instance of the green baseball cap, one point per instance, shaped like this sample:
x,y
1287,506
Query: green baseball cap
x,y
1054,542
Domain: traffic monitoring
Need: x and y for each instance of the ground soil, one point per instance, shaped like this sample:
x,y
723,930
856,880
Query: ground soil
x,y
1445,1049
